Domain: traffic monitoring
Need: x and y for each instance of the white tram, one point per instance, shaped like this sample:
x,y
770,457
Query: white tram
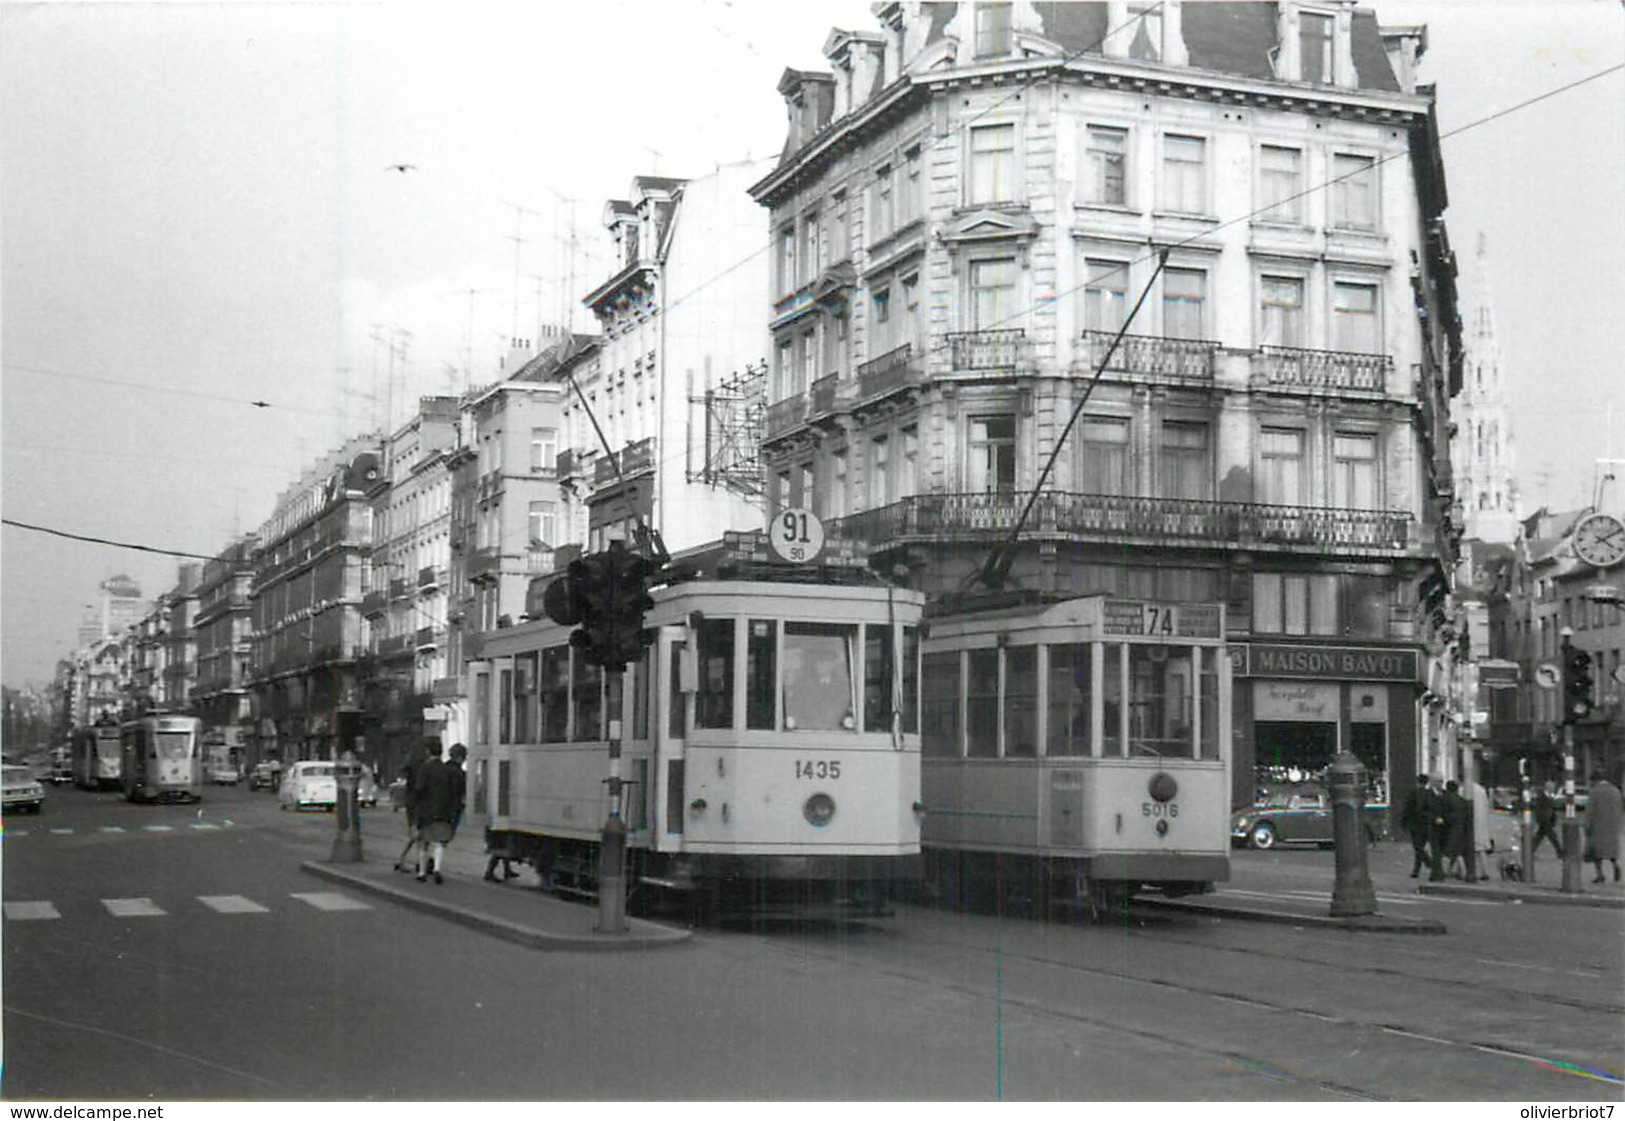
x,y
1075,752
770,739
162,759
97,757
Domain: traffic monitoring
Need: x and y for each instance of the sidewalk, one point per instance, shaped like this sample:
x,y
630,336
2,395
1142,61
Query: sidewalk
x,y
517,910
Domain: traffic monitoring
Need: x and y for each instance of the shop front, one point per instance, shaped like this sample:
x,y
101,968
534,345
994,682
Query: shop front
x,y
1298,704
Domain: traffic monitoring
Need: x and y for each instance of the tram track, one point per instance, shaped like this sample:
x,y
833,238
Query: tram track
x,y
1001,957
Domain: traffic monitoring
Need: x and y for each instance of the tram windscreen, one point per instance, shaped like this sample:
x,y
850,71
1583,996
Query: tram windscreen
x,y
173,745
1160,700
819,676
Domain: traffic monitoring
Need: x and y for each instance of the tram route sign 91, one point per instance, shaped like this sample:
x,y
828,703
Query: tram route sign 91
x,y
796,535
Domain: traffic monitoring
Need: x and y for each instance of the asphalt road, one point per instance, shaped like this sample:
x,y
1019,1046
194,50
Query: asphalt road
x,y
229,973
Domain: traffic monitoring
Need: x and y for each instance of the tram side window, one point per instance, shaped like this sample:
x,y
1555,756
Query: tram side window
x,y
1021,702
911,679
587,690
555,694
505,706
714,704
640,695
677,710
761,673
820,676
1069,699
482,697
1208,690
939,731
1160,685
1111,689
524,698
982,704
880,677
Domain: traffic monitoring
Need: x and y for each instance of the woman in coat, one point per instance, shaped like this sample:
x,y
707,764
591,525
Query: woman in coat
x,y
1603,810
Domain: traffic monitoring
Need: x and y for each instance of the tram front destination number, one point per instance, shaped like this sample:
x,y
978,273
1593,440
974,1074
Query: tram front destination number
x,y
822,768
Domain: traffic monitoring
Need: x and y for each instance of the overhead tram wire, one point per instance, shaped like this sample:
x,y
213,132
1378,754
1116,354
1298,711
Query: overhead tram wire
x,y
106,541
45,372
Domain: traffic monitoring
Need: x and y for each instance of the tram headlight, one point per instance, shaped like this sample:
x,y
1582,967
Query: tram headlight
x,y
1162,787
818,810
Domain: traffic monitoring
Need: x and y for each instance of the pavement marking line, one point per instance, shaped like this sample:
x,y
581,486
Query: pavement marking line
x,y
331,901
233,905
204,825
14,833
140,908
110,829
62,832
23,910
158,828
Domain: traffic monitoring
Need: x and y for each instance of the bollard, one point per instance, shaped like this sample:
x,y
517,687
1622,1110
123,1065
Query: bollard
x,y
347,841
1352,893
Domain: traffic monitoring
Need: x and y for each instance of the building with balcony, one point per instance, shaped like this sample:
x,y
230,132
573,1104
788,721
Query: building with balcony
x,y
222,626
406,580
305,608
679,317
977,198
178,615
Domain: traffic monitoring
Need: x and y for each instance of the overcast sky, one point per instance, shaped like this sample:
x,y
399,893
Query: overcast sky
x,y
196,213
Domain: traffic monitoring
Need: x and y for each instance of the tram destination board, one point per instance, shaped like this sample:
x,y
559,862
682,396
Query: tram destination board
x,y
1139,619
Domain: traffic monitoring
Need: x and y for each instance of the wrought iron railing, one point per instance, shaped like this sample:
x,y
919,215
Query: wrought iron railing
x,y
1181,360
823,395
483,562
430,577
987,350
892,370
1172,520
374,603
427,637
1291,367
784,415
398,588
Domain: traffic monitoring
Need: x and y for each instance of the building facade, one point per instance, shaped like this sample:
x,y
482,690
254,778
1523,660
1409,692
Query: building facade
x,y
222,625
681,315
977,197
305,606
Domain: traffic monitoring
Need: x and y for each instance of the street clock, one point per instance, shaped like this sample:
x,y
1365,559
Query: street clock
x,y
1599,540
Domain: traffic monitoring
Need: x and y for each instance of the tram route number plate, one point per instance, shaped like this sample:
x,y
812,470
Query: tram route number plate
x,y
796,535
818,768
1159,809
1140,619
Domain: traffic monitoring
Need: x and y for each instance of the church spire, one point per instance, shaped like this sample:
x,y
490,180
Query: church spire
x,y
1482,451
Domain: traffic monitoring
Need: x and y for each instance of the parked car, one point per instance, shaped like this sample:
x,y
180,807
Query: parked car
x,y
224,774
1300,814
309,783
20,791
366,792
1504,797
263,777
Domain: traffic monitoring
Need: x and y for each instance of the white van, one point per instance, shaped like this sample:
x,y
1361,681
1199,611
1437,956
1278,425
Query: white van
x,y
310,783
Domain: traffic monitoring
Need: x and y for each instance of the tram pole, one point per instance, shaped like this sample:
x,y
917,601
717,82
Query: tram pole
x,y
612,849
1571,823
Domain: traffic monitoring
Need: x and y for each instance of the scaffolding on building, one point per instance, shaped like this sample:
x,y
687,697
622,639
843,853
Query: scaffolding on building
x,y
734,412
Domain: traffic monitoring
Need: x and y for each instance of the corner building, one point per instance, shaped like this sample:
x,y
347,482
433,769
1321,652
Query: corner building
x,y
967,209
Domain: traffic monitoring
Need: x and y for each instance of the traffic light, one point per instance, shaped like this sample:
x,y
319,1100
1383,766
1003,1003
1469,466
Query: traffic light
x,y
1576,684
604,595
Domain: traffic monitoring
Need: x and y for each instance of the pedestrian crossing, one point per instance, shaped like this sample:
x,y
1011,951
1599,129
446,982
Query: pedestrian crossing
x,y
145,907
1322,896
71,830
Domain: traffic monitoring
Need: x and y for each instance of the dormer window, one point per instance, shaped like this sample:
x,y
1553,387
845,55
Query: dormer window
x,y
1316,57
1146,41
993,30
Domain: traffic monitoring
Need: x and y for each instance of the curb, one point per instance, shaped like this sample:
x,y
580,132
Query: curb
x,y
1546,896
1374,924
642,935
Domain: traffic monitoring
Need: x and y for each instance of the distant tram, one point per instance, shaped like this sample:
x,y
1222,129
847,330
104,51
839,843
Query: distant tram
x,y
97,757
1075,753
162,759
770,737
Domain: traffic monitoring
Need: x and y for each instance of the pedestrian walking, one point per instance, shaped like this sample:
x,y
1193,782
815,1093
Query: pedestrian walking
x,y
1546,821
428,749
1414,819
1438,829
440,786
1604,808
1458,828
1479,804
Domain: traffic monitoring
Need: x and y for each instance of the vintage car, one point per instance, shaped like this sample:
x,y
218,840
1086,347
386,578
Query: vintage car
x,y
1298,814
309,783
21,791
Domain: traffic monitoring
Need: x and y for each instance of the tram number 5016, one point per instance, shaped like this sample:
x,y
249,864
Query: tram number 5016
x,y
797,536
1159,809
821,768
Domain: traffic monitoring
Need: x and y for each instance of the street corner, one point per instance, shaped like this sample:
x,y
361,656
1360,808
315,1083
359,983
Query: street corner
x,y
528,918
1607,895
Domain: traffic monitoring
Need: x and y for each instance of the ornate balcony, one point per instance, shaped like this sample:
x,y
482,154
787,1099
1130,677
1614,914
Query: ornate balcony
x,y
823,395
430,577
987,351
636,457
882,376
428,638
1295,370
1182,361
398,589
373,604
1124,518
565,464
539,562
483,564
785,415
395,645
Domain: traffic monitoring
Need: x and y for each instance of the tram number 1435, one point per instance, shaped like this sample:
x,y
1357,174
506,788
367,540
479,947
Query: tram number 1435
x,y
821,768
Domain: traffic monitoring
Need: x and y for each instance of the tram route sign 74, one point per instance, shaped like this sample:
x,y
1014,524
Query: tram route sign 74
x,y
796,535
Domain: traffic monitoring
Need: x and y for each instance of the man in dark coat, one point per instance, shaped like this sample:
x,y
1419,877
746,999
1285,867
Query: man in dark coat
x,y
1438,829
440,786
1604,808
1458,828
1415,821
428,749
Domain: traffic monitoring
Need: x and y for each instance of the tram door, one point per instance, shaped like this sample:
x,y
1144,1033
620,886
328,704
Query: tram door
x,y
673,686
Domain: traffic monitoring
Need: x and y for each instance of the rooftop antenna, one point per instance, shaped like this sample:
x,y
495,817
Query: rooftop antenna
x,y
518,239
